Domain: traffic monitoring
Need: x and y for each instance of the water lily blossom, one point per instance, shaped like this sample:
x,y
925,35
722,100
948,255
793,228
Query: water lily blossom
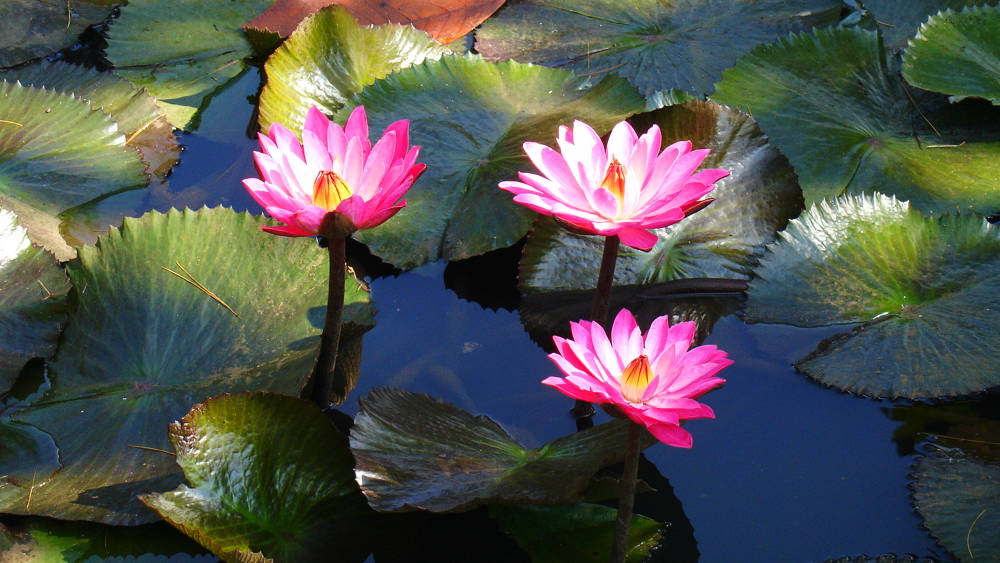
x,y
653,379
624,189
334,182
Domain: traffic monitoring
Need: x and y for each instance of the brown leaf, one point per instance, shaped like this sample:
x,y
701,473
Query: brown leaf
x,y
445,20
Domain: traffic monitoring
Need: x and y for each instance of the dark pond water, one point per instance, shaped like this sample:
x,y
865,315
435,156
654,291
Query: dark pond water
x,y
789,472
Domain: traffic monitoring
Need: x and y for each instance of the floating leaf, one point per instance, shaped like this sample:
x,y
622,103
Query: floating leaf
x,y
722,241
445,20
30,28
182,51
959,499
898,20
415,452
56,153
830,101
923,289
958,54
580,532
657,45
269,474
143,345
470,118
55,541
884,558
32,300
329,59
132,108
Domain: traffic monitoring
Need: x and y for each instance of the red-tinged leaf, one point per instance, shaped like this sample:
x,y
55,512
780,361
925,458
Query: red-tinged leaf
x,y
445,20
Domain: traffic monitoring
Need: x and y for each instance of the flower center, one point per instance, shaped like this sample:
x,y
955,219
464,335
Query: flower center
x,y
635,379
329,190
614,179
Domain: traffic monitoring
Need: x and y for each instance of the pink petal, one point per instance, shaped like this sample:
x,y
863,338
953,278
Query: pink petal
x,y
638,238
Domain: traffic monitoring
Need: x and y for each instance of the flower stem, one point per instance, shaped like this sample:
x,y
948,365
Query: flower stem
x,y
599,311
626,499
322,375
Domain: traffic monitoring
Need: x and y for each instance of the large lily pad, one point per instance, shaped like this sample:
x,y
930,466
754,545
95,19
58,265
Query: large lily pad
x,y
30,29
470,118
416,452
329,58
56,152
899,19
958,54
831,101
133,109
722,241
657,45
959,498
269,474
182,50
32,300
143,345
923,288
580,532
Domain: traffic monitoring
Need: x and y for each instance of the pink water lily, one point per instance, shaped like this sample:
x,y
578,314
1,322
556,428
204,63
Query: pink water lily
x,y
653,379
625,189
335,173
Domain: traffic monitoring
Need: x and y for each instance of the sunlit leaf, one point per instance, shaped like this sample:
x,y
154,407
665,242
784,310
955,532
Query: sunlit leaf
x,y
30,28
959,499
143,345
268,474
580,532
470,118
445,20
416,452
832,102
656,44
181,50
898,20
923,288
56,152
329,59
958,54
32,300
134,110
721,241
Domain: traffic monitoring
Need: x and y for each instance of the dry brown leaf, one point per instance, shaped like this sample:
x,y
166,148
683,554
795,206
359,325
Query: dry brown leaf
x,y
445,20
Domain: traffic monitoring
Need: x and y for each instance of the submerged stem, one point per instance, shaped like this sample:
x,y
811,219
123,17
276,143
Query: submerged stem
x,y
626,499
322,375
599,311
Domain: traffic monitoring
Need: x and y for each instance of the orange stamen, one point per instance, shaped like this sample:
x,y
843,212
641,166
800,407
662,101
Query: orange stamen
x,y
614,179
635,379
329,190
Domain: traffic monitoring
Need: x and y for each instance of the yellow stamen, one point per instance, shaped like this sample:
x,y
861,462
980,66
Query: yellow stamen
x,y
329,190
614,179
636,378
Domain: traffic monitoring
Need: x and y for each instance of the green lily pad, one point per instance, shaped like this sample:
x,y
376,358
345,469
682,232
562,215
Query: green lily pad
x,y
957,54
269,474
133,109
959,499
142,345
831,101
657,45
56,152
416,452
923,288
329,58
54,541
884,558
470,118
722,241
182,51
32,300
30,29
898,20
580,532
